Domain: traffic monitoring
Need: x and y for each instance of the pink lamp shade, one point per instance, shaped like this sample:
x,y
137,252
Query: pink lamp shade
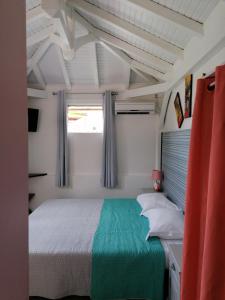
x,y
156,175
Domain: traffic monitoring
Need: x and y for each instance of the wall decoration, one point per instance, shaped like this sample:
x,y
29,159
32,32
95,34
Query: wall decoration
x,y
188,96
179,111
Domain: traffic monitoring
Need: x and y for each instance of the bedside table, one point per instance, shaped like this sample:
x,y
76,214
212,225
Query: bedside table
x,y
175,262
147,190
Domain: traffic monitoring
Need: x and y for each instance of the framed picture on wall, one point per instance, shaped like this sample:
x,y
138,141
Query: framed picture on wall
x,y
188,96
179,111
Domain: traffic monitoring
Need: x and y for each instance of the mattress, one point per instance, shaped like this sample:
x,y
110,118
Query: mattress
x,y
61,233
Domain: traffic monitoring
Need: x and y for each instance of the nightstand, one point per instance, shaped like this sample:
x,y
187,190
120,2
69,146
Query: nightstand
x,y
147,190
175,257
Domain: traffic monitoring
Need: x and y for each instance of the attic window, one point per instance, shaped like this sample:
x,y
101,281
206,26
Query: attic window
x,y
85,119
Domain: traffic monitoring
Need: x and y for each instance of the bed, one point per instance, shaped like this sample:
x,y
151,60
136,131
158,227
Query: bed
x,y
62,235
61,241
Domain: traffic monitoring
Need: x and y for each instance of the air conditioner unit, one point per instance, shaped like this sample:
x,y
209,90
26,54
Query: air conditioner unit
x,y
134,108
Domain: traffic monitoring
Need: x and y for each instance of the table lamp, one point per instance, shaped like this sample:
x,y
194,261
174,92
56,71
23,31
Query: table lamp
x,y
156,177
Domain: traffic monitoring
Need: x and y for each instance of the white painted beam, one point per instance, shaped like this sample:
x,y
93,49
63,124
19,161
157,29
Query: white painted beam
x,y
35,93
38,55
148,70
83,40
169,14
206,47
158,63
128,27
40,36
133,64
63,68
144,91
39,76
142,75
35,13
132,50
96,71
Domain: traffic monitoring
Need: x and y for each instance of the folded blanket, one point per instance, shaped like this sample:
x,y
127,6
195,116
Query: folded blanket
x,y
124,264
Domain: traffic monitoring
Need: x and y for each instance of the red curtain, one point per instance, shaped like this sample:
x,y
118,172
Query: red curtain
x,y
203,271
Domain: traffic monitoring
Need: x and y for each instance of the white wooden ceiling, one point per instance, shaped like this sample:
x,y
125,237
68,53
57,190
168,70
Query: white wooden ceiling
x,y
121,42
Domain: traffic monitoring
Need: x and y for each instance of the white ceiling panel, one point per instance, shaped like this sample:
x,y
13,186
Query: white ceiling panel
x,y
82,68
111,69
198,10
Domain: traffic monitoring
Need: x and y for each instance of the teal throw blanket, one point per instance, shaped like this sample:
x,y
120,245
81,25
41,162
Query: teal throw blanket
x,y
124,264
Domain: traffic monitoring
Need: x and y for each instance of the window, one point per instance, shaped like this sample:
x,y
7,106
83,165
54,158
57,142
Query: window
x,y
85,119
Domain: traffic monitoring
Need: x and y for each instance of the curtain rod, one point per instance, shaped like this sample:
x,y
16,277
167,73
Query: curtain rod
x,y
77,93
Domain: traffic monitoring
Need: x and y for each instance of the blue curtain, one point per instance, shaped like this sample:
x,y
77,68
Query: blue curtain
x,y
62,153
109,163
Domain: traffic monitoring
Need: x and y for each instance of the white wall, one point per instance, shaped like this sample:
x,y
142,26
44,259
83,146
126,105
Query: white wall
x,y
171,122
136,137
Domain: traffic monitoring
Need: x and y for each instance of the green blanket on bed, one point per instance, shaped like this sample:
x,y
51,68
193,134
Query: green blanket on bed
x,y
124,264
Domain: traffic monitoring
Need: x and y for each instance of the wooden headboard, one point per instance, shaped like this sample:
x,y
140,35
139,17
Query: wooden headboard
x,y
174,157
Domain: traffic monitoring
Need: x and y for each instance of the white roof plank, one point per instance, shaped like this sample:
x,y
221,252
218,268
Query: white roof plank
x,y
170,15
126,26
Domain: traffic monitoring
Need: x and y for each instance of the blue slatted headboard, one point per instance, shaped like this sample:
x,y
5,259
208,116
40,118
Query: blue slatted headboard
x,y
174,157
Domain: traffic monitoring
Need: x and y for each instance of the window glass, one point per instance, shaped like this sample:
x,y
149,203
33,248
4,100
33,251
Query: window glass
x,y
85,119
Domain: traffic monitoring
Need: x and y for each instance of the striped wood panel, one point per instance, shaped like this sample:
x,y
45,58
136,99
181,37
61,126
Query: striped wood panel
x,y
175,150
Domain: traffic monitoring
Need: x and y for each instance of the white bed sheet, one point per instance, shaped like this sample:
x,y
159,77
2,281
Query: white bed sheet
x,y
60,244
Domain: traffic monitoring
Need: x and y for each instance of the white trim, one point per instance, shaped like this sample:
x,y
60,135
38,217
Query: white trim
x,y
122,24
170,15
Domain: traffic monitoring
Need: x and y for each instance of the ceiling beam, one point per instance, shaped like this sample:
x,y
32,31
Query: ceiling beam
x,y
35,13
96,71
83,40
156,62
128,27
133,64
63,68
39,76
169,14
40,36
38,55
144,91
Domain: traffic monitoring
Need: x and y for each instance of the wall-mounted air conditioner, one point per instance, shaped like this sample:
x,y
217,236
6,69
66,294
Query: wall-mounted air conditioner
x,y
134,108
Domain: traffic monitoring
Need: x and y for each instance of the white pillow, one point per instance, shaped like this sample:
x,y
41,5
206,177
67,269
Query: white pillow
x,y
154,200
165,223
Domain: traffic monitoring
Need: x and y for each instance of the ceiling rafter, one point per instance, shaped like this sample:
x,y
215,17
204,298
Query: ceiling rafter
x,y
63,68
40,36
38,55
96,71
35,13
128,27
164,12
133,64
39,76
158,63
